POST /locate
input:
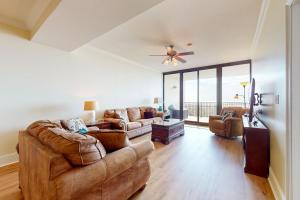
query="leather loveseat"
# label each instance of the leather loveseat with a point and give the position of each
(56, 164)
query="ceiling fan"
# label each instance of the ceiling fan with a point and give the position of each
(172, 56)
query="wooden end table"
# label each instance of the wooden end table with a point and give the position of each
(167, 130)
(100, 124)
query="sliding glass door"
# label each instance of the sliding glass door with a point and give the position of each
(172, 95)
(235, 86)
(195, 94)
(207, 94)
(190, 96)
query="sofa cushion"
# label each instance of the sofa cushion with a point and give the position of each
(143, 109)
(109, 113)
(74, 125)
(148, 115)
(78, 149)
(145, 122)
(133, 125)
(121, 114)
(112, 140)
(134, 114)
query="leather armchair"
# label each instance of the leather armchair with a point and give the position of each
(231, 126)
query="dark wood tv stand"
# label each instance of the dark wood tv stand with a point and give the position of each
(256, 142)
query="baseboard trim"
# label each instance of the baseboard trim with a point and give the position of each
(9, 159)
(276, 189)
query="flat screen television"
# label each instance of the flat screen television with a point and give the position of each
(252, 102)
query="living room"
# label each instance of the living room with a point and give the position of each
(160, 90)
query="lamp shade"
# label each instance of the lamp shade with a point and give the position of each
(156, 100)
(244, 84)
(90, 105)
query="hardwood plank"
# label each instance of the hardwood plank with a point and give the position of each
(195, 166)
(201, 165)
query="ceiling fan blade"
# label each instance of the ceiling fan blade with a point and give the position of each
(180, 59)
(186, 53)
(157, 55)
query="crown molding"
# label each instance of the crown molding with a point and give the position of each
(260, 23)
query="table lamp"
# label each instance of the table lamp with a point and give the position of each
(157, 102)
(91, 107)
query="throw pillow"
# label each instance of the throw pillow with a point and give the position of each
(112, 140)
(74, 125)
(148, 115)
(227, 115)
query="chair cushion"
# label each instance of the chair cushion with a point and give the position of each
(78, 149)
(133, 125)
(227, 115)
(74, 125)
(146, 122)
(122, 114)
(134, 114)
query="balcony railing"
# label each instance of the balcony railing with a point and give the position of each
(207, 108)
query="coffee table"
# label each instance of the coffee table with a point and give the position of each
(167, 130)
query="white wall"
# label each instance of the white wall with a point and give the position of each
(269, 69)
(39, 82)
(295, 100)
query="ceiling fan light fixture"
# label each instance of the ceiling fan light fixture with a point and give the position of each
(167, 61)
(174, 61)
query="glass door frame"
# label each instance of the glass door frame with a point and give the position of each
(218, 68)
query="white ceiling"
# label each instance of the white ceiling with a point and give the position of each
(22, 14)
(221, 31)
(75, 22)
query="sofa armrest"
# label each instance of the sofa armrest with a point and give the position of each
(117, 123)
(93, 128)
(234, 126)
(215, 117)
(80, 180)
(211, 119)
(160, 114)
(143, 149)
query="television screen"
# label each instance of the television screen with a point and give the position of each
(252, 99)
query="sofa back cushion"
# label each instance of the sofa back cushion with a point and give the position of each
(121, 114)
(134, 114)
(77, 149)
(110, 113)
(147, 109)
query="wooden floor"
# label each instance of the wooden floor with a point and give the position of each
(197, 166)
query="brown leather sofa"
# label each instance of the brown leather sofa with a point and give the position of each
(229, 127)
(132, 120)
(56, 164)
